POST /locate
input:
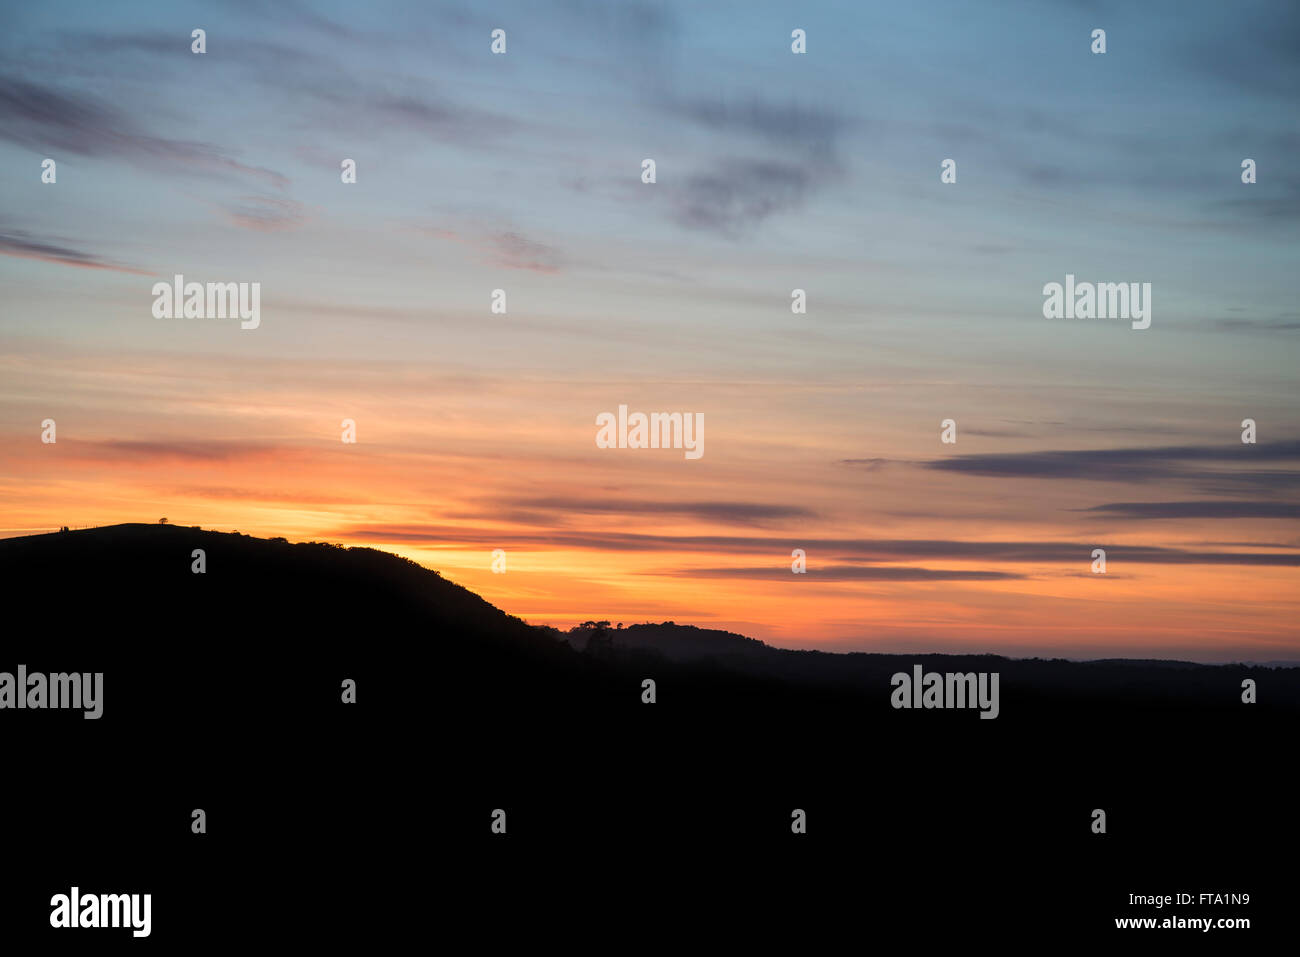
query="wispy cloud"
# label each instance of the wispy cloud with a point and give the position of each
(1159, 464)
(734, 197)
(726, 513)
(845, 551)
(265, 214)
(22, 245)
(1200, 509)
(506, 248)
(844, 573)
(199, 451)
(802, 128)
(38, 116)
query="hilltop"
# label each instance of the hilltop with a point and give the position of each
(135, 581)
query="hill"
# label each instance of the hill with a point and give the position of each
(222, 691)
(360, 605)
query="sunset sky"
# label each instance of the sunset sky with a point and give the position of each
(775, 171)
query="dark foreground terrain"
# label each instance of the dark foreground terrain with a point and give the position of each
(628, 825)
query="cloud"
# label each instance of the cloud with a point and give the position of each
(265, 213)
(1159, 464)
(312, 80)
(514, 251)
(735, 197)
(793, 125)
(506, 248)
(23, 245)
(1200, 509)
(1275, 324)
(995, 433)
(201, 451)
(1252, 47)
(47, 120)
(422, 114)
(842, 573)
(728, 513)
(1244, 215)
(850, 551)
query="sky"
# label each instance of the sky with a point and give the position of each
(775, 171)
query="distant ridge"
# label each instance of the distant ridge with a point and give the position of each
(330, 598)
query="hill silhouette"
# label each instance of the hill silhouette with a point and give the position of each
(338, 601)
(226, 685)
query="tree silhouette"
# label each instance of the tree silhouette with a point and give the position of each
(600, 643)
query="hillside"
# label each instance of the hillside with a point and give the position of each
(222, 690)
(135, 582)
